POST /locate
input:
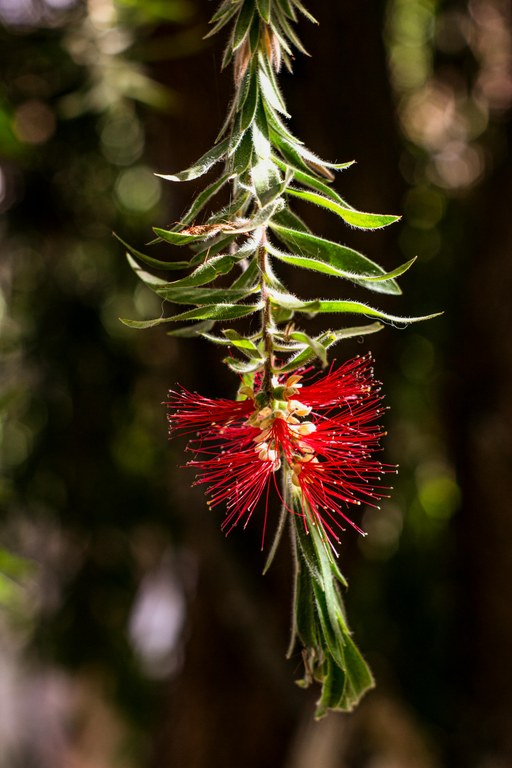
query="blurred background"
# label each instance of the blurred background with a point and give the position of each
(132, 633)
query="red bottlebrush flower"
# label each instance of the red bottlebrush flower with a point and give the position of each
(323, 434)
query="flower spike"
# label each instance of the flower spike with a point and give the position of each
(311, 440)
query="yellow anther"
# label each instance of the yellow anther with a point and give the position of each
(298, 408)
(306, 428)
(262, 436)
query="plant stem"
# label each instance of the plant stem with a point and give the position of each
(266, 318)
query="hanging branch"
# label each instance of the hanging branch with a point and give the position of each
(320, 434)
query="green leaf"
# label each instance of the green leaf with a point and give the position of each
(263, 7)
(223, 15)
(300, 7)
(278, 130)
(242, 24)
(308, 180)
(233, 210)
(211, 247)
(177, 238)
(333, 258)
(250, 104)
(244, 344)
(327, 339)
(330, 654)
(242, 366)
(218, 312)
(236, 136)
(202, 198)
(273, 187)
(260, 138)
(151, 262)
(290, 220)
(316, 346)
(143, 324)
(356, 219)
(262, 217)
(289, 31)
(254, 35)
(207, 312)
(242, 158)
(350, 307)
(201, 166)
(205, 273)
(224, 7)
(184, 295)
(321, 266)
(269, 87)
(289, 10)
(249, 276)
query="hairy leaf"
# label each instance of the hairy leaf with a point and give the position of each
(218, 312)
(263, 7)
(242, 366)
(327, 339)
(355, 218)
(320, 306)
(270, 89)
(150, 261)
(333, 258)
(201, 166)
(185, 295)
(205, 273)
(242, 24)
(202, 199)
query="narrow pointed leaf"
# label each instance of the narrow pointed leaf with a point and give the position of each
(241, 342)
(270, 89)
(249, 276)
(218, 312)
(254, 35)
(201, 166)
(250, 104)
(191, 295)
(328, 339)
(263, 7)
(317, 265)
(205, 273)
(224, 14)
(242, 24)
(290, 220)
(142, 324)
(178, 238)
(320, 306)
(242, 158)
(242, 366)
(290, 32)
(337, 259)
(202, 199)
(356, 219)
(150, 261)
(300, 7)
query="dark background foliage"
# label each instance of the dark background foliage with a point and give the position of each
(132, 632)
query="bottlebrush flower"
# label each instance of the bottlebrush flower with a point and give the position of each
(323, 434)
